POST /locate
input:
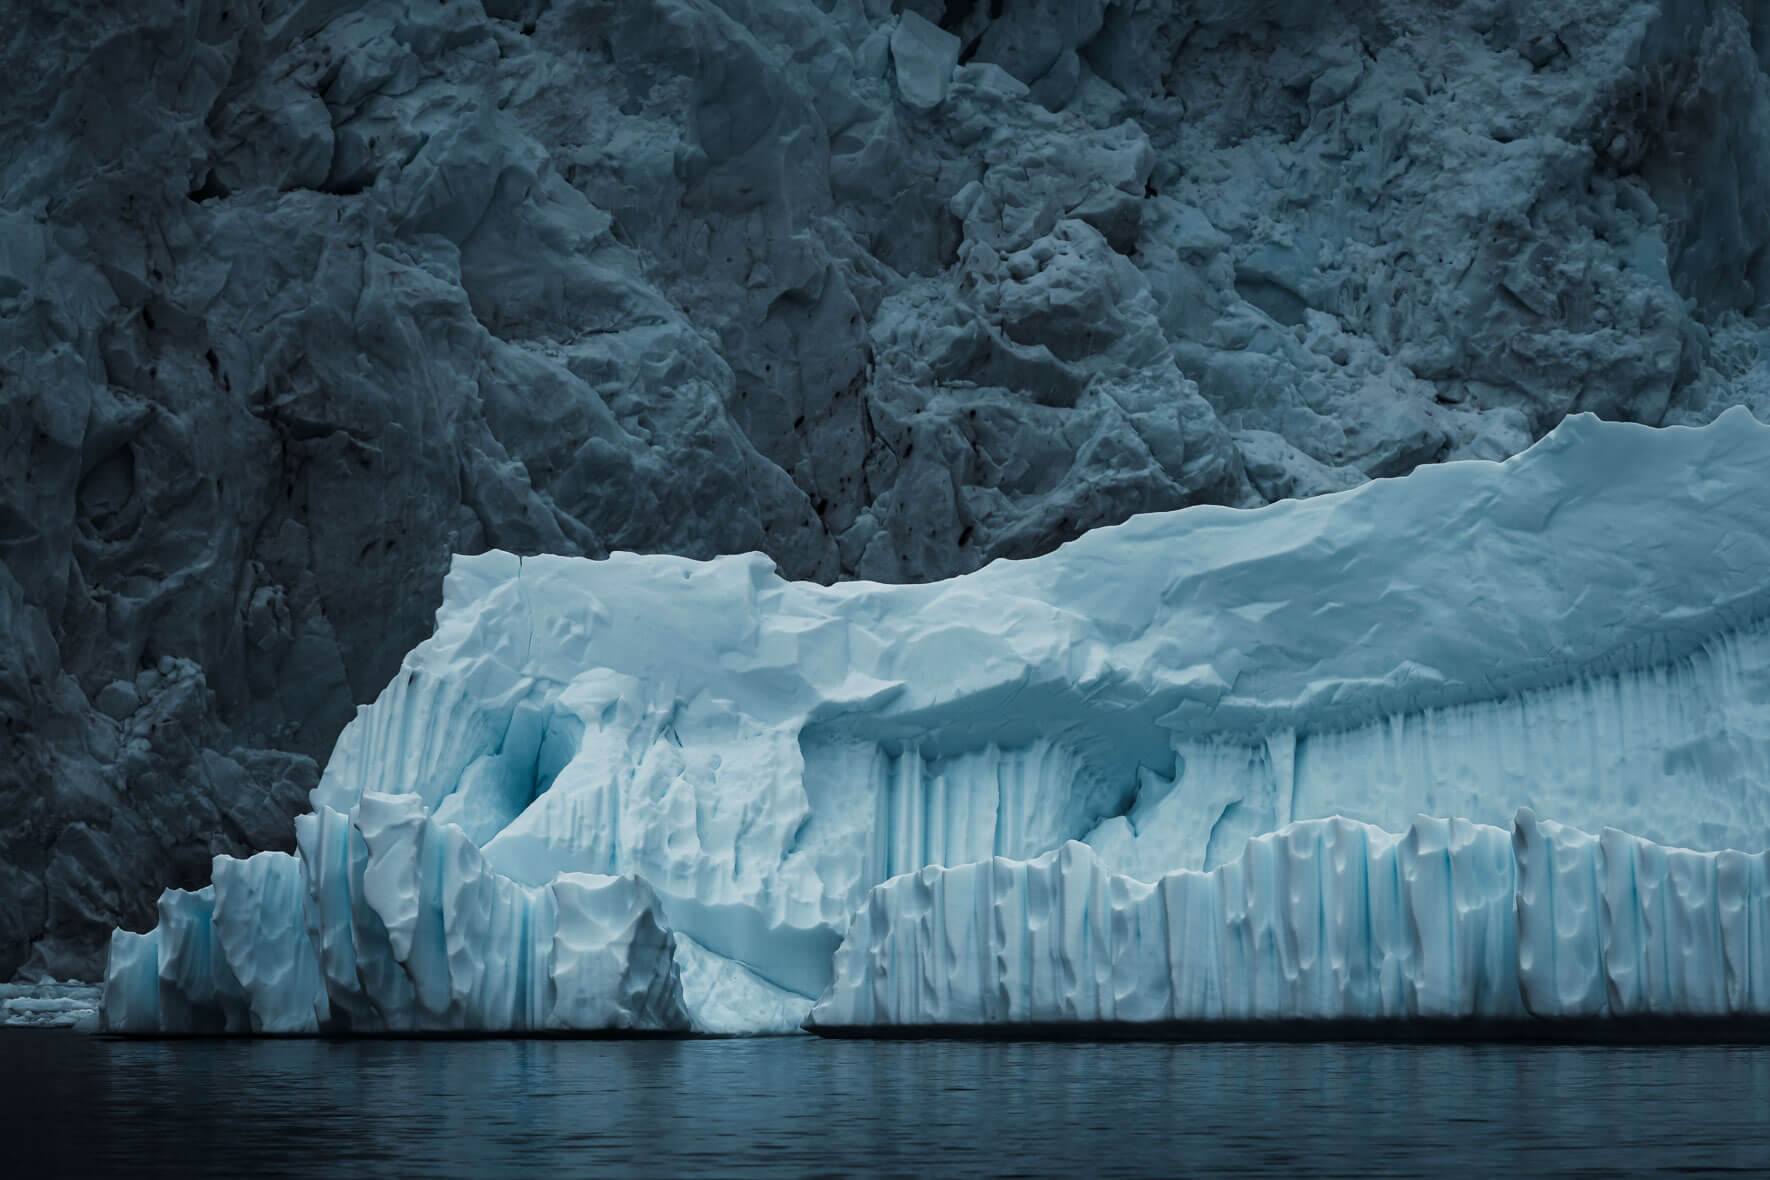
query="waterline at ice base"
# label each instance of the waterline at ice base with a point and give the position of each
(1180, 769)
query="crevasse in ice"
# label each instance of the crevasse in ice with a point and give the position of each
(653, 793)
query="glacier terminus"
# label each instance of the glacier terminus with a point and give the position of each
(1489, 741)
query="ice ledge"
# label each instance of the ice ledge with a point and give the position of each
(1605, 547)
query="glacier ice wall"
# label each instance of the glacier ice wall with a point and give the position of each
(1324, 920)
(1615, 925)
(881, 289)
(1579, 629)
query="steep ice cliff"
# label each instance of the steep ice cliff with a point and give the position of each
(299, 298)
(407, 932)
(1580, 629)
(1324, 920)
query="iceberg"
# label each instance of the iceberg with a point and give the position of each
(654, 793)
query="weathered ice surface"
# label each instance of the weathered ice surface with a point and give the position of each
(1324, 920)
(425, 939)
(299, 297)
(591, 759)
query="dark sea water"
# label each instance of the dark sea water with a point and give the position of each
(74, 1105)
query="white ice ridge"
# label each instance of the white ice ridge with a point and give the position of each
(1583, 629)
(1324, 920)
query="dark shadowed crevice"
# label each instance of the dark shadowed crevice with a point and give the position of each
(209, 189)
(957, 12)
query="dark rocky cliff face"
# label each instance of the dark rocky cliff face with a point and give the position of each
(299, 298)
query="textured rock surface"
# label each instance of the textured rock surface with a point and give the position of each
(296, 299)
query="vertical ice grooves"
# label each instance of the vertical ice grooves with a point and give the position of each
(1281, 757)
(392, 921)
(1324, 919)
(992, 801)
(1612, 748)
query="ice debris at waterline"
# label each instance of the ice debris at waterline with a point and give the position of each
(1581, 629)
(49, 1003)
(1325, 919)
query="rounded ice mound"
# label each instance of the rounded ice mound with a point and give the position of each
(1580, 629)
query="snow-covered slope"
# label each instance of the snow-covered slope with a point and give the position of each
(1322, 920)
(1579, 629)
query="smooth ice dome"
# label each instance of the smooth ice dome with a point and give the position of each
(652, 792)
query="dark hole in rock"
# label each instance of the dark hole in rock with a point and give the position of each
(107, 488)
(956, 13)
(211, 187)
